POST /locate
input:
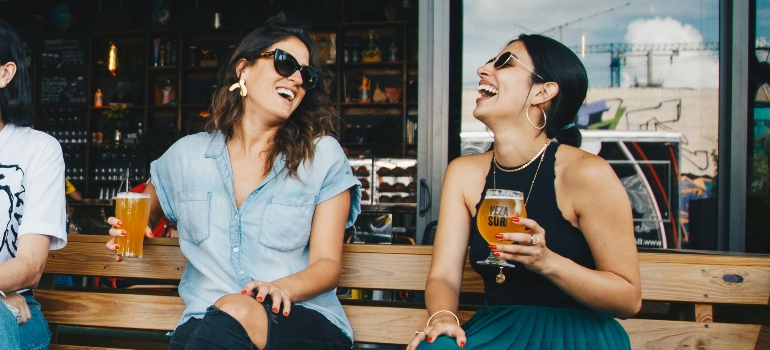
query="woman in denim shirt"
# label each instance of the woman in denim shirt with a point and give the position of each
(262, 201)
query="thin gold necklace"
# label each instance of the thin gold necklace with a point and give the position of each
(521, 167)
(540, 154)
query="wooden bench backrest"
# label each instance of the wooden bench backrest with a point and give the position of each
(695, 278)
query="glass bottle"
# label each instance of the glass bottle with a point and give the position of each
(332, 57)
(98, 98)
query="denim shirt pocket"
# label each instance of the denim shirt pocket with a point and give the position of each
(286, 222)
(194, 216)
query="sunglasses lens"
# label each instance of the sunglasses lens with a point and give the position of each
(309, 77)
(502, 59)
(285, 65)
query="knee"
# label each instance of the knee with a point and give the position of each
(239, 306)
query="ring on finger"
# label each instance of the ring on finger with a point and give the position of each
(418, 332)
(534, 240)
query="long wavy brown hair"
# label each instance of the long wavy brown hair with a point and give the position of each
(314, 117)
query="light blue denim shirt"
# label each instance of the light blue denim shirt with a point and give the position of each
(266, 238)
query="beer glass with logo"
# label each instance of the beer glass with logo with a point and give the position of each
(494, 217)
(133, 209)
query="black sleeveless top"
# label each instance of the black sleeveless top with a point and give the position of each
(521, 286)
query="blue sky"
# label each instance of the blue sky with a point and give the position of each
(490, 24)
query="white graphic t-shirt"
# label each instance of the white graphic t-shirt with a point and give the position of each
(31, 188)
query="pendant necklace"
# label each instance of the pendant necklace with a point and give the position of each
(500, 277)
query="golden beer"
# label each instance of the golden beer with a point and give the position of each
(133, 209)
(494, 216)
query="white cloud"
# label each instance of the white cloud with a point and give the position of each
(691, 69)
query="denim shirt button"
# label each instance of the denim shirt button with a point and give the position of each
(241, 272)
(235, 250)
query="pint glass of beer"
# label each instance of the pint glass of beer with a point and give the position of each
(494, 217)
(133, 209)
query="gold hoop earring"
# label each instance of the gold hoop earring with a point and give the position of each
(545, 119)
(240, 85)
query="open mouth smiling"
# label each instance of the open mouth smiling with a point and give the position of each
(285, 93)
(487, 90)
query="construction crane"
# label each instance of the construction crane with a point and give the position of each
(619, 51)
(561, 26)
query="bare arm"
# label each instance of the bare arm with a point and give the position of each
(25, 269)
(459, 193)
(325, 259)
(605, 218)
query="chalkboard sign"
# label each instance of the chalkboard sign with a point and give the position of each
(62, 90)
(63, 53)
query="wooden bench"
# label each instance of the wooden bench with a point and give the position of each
(705, 280)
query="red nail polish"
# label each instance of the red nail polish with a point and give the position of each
(119, 224)
(493, 246)
(259, 299)
(515, 219)
(244, 292)
(496, 253)
(275, 309)
(123, 233)
(499, 236)
(120, 259)
(117, 246)
(430, 340)
(462, 344)
(285, 314)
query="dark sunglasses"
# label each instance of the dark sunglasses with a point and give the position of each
(285, 64)
(505, 57)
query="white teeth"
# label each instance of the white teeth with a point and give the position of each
(286, 93)
(487, 90)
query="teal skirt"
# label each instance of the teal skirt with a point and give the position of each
(536, 327)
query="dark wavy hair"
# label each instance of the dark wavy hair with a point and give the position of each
(16, 97)
(314, 117)
(557, 63)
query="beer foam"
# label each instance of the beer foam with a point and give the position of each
(494, 193)
(132, 195)
(515, 196)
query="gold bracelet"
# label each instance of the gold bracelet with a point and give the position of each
(440, 311)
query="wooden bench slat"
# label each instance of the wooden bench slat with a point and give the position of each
(392, 325)
(93, 259)
(705, 258)
(136, 311)
(705, 283)
(661, 334)
(381, 271)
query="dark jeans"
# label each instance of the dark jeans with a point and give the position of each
(303, 328)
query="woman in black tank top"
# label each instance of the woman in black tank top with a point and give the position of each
(575, 267)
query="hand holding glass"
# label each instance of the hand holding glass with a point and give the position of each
(133, 209)
(494, 217)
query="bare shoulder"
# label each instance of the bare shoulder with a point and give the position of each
(470, 165)
(464, 180)
(582, 169)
